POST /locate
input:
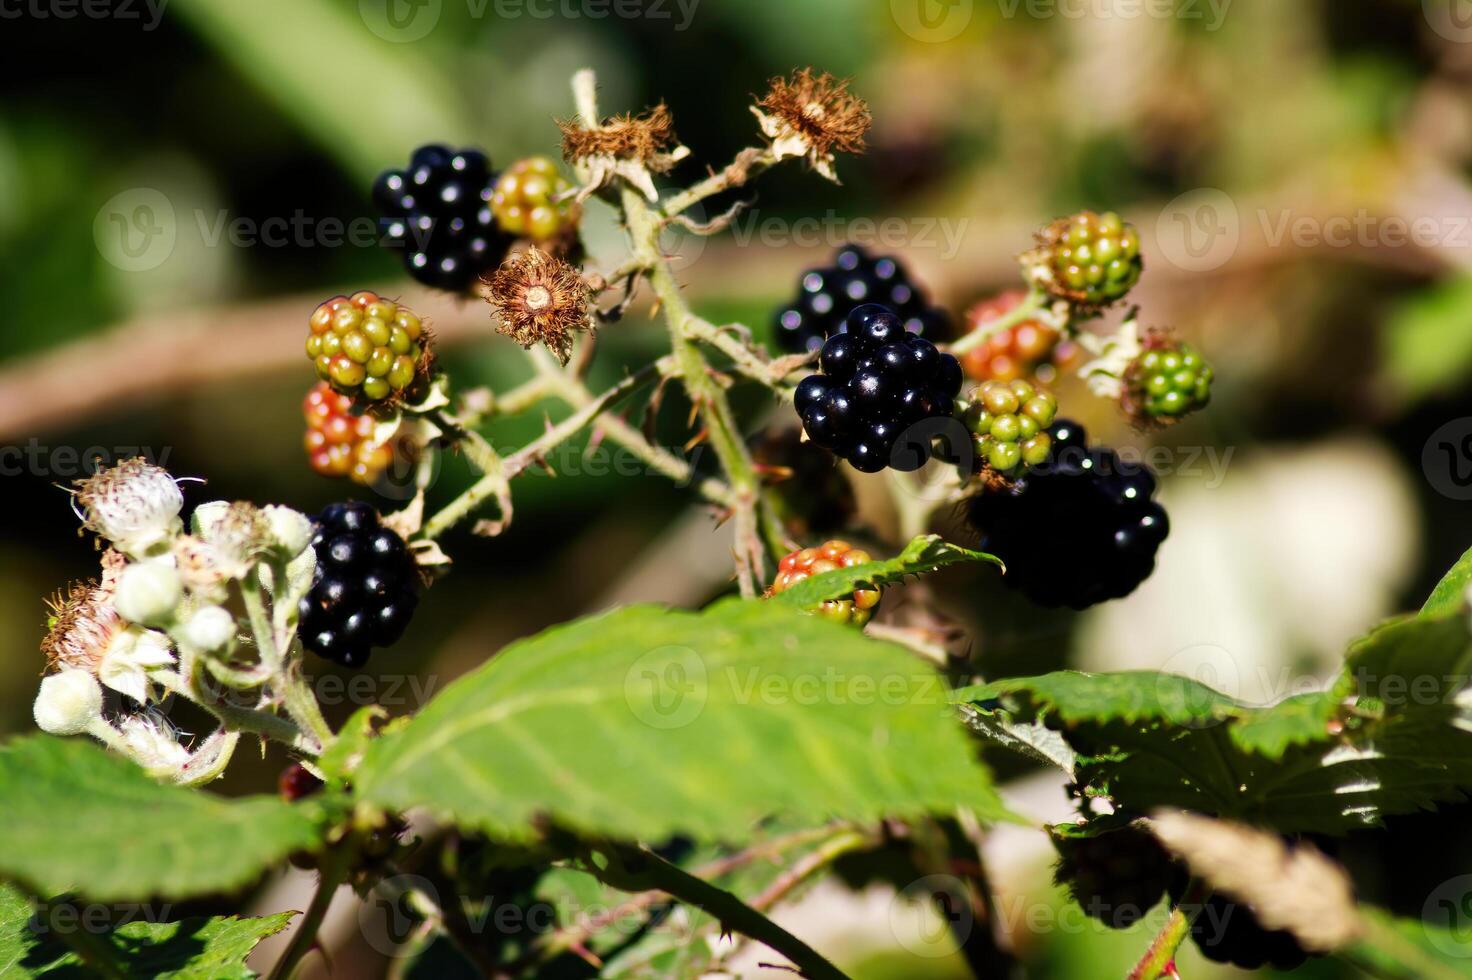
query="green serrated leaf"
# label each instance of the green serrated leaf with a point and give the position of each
(923, 554)
(1450, 594)
(646, 722)
(78, 818)
(1392, 736)
(192, 949)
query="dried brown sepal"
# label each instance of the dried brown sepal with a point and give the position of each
(632, 147)
(813, 116)
(540, 299)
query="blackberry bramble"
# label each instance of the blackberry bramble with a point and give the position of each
(877, 391)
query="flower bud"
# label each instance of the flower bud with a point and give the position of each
(134, 504)
(291, 531)
(69, 703)
(210, 629)
(148, 593)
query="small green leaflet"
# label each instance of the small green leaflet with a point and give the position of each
(923, 554)
(192, 949)
(646, 721)
(80, 819)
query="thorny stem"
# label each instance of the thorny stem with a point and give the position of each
(236, 718)
(1030, 304)
(748, 163)
(334, 871)
(1162, 951)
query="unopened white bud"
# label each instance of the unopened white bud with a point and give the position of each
(148, 593)
(69, 703)
(291, 530)
(210, 629)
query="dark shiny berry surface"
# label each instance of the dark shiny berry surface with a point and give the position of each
(1079, 529)
(437, 212)
(880, 395)
(363, 590)
(827, 296)
(1116, 877)
(1228, 932)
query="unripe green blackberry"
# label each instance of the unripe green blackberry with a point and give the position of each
(1089, 259)
(368, 347)
(528, 203)
(1009, 422)
(1167, 381)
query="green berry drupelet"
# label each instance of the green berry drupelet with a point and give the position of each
(368, 347)
(437, 212)
(881, 395)
(1009, 420)
(363, 591)
(826, 297)
(1115, 877)
(1091, 260)
(529, 201)
(1078, 529)
(1167, 381)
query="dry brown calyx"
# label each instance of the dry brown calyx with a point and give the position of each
(540, 299)
(632, 147)
(813, 116)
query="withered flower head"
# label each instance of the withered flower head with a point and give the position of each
(134, 504)
(540, 299)
(813, 116)
(81, 625)
(628, 146)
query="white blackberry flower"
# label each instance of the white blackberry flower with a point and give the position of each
(134, 504)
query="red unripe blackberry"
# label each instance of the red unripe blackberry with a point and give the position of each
(338, 442)
(368, 347)
(297, 782)
(1017, 352)
(829, 557)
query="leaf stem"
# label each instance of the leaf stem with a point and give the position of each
(733, 913)
(334, 873)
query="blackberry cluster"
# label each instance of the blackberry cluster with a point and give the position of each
(827, 296)
(1090, 259)
(829, 556)
(1009, 420)
(1018, 352)
(877, 390)
(1167, 382)
(362, 592)
(438, 212)
(1116, 877)
(810, 494)
(1078, 529)
(1228, 932)
(367, 346)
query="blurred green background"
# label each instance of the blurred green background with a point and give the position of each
(177, 180)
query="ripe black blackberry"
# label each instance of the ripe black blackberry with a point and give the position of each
(827, 296)
(438, 212)
(1227, 931)
(880, 394)
(1078, 529)
(1116, 877)
(363, 589)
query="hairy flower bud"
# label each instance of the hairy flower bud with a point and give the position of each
(69, 703)
(134, 504)
(291, 531)
(210, 629)
(148, 592)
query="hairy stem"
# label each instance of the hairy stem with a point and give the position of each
(1162, 951)
(748, 163)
